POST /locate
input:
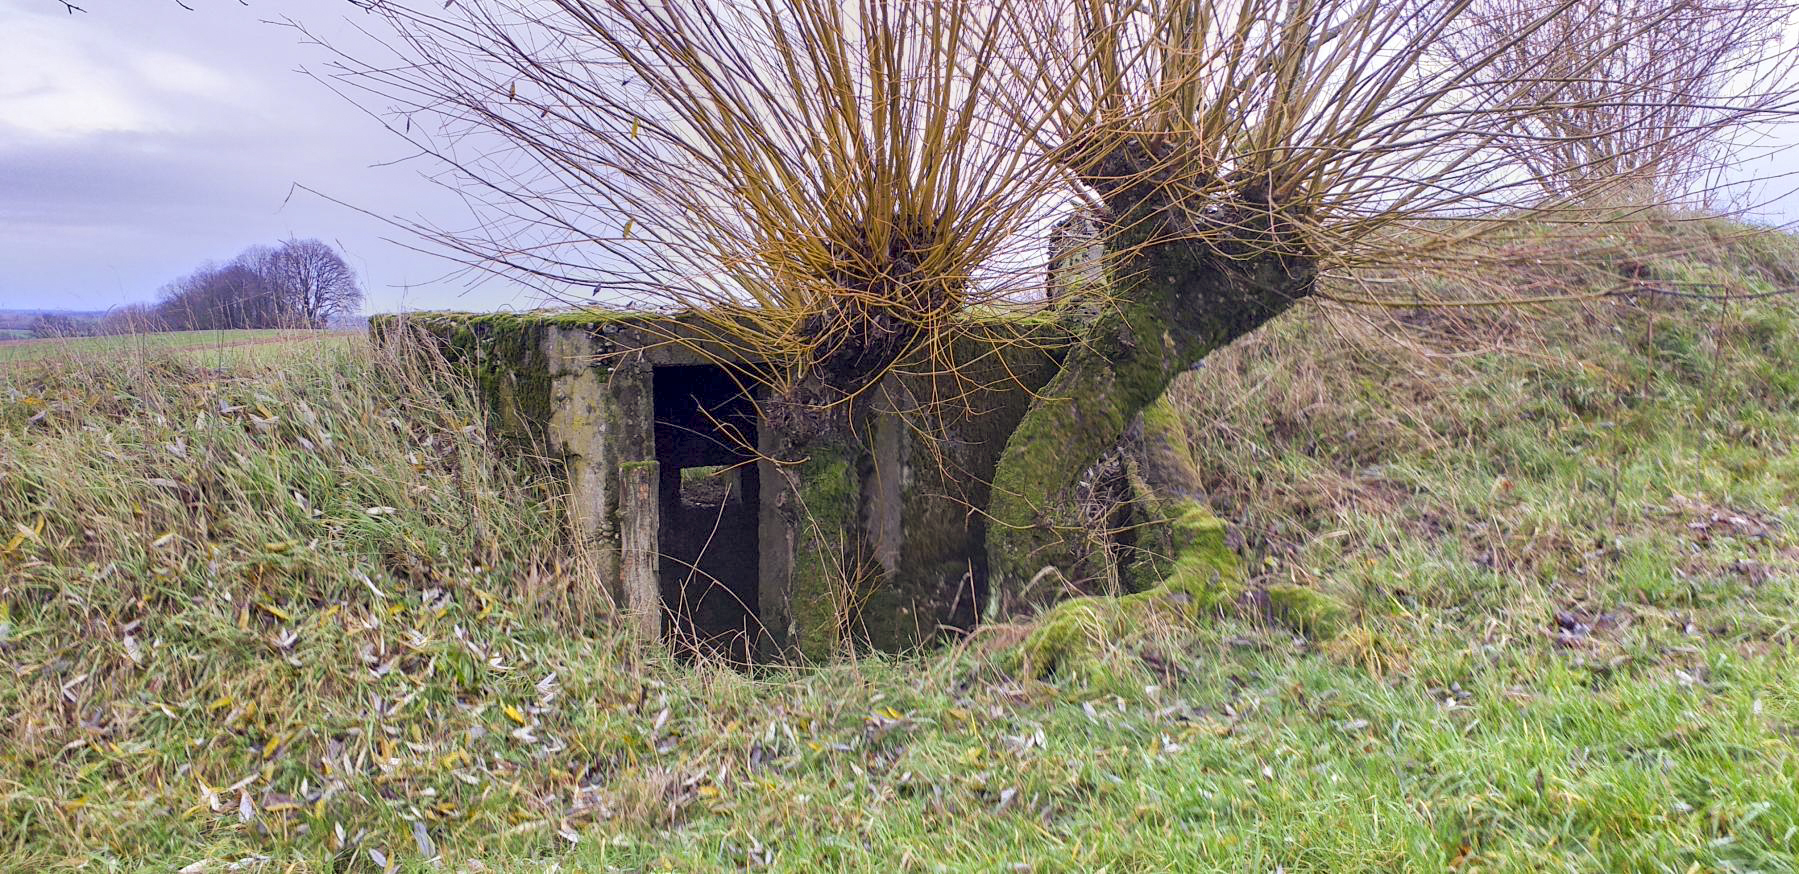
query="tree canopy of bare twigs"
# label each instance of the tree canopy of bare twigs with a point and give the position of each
(311, 282)
(1347, 121)
(833, 177)
(823, 178)
(834, 182)
(1642, 99)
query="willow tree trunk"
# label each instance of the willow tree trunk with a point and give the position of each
(1174, 301)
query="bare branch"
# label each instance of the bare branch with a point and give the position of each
(832, 181)
(1642, 100)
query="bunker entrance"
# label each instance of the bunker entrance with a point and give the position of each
(710, 492)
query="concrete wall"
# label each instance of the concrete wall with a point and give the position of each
(874, 539)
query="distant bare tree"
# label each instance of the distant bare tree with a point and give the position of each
(299, 284)
(311, 283)
(51, 325)
(137, 318)
(250, 280)
(193, 302)
(238, 294)
(1642, 99)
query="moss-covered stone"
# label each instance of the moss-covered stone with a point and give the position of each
(1308, 611)
(828, 574)
(814, 561)
(935, 448)
(501, 353)
(1074, 638)
(853, 549)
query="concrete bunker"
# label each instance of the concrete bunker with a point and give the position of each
(706, 528)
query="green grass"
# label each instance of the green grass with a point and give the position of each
(207, 348)
(1567, 539)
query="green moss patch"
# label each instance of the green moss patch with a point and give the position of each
(1079, 638)
(1306, 610)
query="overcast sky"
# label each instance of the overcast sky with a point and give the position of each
(138, 140)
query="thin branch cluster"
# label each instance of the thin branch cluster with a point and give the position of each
(836, 182)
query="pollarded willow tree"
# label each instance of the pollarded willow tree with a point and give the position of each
(825, 182)
(1239, 150)
(836, 183)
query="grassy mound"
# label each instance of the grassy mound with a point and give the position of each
(250, 595)
(1565, 537)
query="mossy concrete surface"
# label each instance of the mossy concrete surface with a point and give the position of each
(813, 554)
(871, 537)
(935, 450)
(562, 385)
(876, 535)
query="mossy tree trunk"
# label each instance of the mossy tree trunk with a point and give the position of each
(1174, 301)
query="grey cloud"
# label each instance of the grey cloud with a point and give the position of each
(182, 138)
(165, 138)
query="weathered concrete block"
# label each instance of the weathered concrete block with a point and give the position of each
(581, 429)
(871, 537)
(640, 559)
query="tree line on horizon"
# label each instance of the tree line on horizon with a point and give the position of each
(303, 284)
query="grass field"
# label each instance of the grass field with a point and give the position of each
(208, 348)
(304, 618)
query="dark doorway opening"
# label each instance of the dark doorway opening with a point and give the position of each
(710, 511)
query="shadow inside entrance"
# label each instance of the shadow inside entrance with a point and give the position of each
(710, 502)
